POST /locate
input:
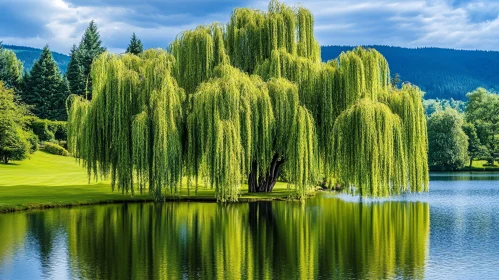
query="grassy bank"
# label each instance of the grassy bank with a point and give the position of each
(480, 165)
(46, 180)
(477, 165)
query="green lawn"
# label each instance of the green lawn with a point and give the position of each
(47, 180)
(478, 165)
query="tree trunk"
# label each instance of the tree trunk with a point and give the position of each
(471, 162)
(265, 182)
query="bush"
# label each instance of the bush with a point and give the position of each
(40, 128)
(47, 130)
(55, 149)
(59, 129)
(63, 144)
(32, 140)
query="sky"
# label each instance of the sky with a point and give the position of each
(460, 24)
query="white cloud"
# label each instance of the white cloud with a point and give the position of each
(412, 23)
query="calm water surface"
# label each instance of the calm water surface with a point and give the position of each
(449, 233)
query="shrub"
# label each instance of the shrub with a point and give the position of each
(59, 129)
(47, 130)
(55, 149)
(63, 144)
(32, 140)
(40, 128)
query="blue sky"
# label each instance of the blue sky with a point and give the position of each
(462, 24)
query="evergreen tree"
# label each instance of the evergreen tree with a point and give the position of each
(46, 89)
(135, 46)
(11, 69)
(75, 73)
(90, 47)
(396, 80)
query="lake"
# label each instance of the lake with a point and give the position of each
(452, 232)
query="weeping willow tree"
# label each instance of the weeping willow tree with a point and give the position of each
(241, 128)
(369, 149)
(296, 117)
(133, 126)
(252, 35)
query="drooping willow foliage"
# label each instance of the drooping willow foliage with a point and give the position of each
(233, 132)
(253, 35)
(132, 128)
(260, 105)
(327, 89)
(197, 53)
(407, 104)
(295, 137)
(369, 149)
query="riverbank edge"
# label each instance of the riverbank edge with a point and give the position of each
(129, 199)
(481, 170)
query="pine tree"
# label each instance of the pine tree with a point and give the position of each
(46, 89)
(75, 74)
(135, 46)
(89, 48)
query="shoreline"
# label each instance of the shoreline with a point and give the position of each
(141, 199)
(46, 181)
(492, 170)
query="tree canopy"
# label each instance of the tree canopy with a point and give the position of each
(90, 47)
(448, 144)
(251, 101)
(45, 89)
(11, 69)
(75, 73)
(482, 111)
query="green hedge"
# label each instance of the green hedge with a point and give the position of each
(55, 149)
(47, 130)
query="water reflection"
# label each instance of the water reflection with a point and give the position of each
(464, 176)
(323, 237)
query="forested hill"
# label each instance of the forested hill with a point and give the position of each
(28, 56)
(442, 73)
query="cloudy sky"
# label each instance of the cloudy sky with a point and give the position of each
(463, 24)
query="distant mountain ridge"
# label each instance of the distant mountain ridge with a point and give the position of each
(441, 73)
(28, 55)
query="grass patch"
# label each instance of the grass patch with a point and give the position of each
(45, 180)
(480, 165)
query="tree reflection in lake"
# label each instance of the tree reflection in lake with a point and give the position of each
(322, 236)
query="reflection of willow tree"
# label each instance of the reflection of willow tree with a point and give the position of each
(13, 228)
(294, 113)
(170, 241)
(256, 240)
(376, 240)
